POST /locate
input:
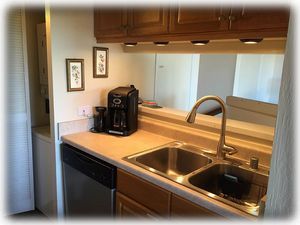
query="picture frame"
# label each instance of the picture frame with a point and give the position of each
(100, 62)
(75, 74)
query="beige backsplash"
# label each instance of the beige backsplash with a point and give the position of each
(75, 126)
(205, 139)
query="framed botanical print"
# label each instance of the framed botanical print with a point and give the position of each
(100, 62)
(75, 74)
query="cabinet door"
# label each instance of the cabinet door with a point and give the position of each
(189, 20)
(183, 208)
(148, 21)
(126, 207)
(244, 19)
(151, 196)
(110, 22)
(44, 176)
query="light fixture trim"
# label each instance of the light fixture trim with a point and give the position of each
(161, 43)
(130, 44)
(200, 42)
(251, 41)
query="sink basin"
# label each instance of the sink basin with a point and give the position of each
(173, 160)
(229, 181)
(232, 183)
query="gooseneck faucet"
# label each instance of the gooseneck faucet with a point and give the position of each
(222, 148)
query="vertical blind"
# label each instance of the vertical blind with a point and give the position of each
(19, 160)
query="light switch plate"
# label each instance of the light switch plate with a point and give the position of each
(85, 111)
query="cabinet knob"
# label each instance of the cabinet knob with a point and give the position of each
(125, 27)
(232, 18)
(221, 18)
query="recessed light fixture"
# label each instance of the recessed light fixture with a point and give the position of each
(251, 41)
(130, 44)
(161, 43)
(200, 42)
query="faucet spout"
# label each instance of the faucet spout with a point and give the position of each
(222, 148)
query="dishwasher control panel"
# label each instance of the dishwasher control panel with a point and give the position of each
(89, 165)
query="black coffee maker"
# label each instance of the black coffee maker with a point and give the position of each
(122, 105)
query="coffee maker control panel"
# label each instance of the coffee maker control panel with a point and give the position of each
(117, 103)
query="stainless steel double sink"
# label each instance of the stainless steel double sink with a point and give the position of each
(229, 181)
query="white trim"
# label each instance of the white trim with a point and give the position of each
(55, 146)
(155, 79)
(28, 113)
(194, 76)
(237, 75)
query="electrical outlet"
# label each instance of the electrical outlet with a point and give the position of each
(85, 111)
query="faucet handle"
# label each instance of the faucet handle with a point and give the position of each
(229, 149)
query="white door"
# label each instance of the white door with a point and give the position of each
(20, 194)
(176, 80)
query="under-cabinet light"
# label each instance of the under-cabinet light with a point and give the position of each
(200, 42)
(161, 43)
(251, 41)
(130, 44)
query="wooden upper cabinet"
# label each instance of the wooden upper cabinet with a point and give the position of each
(189, 20)
(148, 21)
(110, 22)
(247, 19)
(185, 24)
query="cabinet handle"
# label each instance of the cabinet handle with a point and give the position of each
(231, 18)
(243, 11)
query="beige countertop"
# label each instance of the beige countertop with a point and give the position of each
(114, 148)
(42, 132)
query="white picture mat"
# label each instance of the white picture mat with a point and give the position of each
(75, 74)
(100, 62)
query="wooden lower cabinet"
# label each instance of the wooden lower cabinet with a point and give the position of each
(139, 198)
(126, 207)
(152, 197)
(181, 207)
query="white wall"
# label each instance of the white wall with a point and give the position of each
(283, 175)
(72, 34)
(258, 77)
(216, 76)
(176, 80)
(183, 78)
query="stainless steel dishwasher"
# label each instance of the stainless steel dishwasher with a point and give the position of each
(89, 184)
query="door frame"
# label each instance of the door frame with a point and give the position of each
(28, 112)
